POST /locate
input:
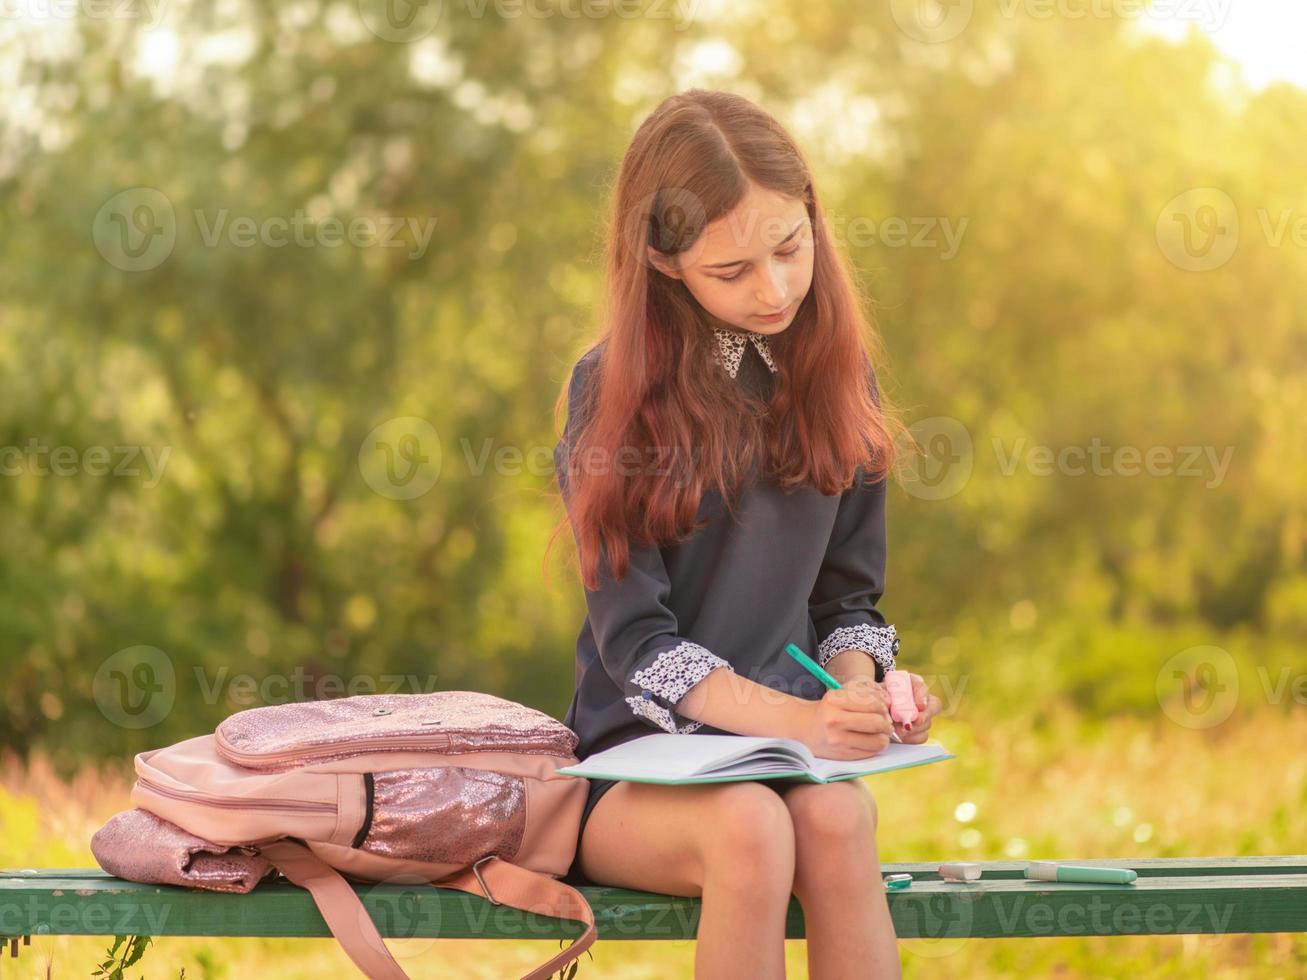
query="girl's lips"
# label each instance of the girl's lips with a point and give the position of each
(777, 317)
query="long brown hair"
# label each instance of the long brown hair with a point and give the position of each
(660, 398)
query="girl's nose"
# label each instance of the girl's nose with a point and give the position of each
(771, 292)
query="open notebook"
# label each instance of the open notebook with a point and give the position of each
(676, 759)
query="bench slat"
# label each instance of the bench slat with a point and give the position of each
(1190, 896)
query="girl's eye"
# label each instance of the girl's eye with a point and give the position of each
(793, 251)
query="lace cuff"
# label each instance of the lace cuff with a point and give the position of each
(881, 642)
(668, 679)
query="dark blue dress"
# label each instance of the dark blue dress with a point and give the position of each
(800, 567)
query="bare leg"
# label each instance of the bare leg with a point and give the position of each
(838, 882)
(731, 843)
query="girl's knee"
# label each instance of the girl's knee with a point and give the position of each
(748, 834)
(833, 814)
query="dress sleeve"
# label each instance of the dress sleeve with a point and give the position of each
(635, 632)
(852, 578)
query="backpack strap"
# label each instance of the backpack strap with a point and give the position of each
(530, 891)
(340, 907)
(508, 884)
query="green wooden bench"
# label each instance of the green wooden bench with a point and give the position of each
(1170, 897)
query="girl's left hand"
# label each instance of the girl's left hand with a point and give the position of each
(928, 707)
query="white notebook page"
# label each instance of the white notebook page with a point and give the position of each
(668, 756)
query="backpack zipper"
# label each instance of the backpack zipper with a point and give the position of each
(370, 792)
(237, 803)
(361, 746)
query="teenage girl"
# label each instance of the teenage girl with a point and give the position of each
(723, 467)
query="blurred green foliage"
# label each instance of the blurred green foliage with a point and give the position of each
(254, 373)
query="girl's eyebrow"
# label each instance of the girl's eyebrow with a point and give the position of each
(727, 265)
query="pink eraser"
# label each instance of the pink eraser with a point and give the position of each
(902, 706)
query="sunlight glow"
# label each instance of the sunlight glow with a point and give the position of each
(1265, 37)
(157, 54)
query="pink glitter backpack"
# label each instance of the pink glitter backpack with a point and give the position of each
(451, 788)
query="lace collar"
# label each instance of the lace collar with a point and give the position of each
(730, 347)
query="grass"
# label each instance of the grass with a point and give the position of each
(1121, 787)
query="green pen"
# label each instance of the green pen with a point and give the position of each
(812, 667)
(1054, 871)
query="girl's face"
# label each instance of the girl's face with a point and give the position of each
(751, 263)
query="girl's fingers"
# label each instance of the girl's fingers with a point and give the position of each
(866, 722)
(933, 706)
(864, 689)
(920, 692)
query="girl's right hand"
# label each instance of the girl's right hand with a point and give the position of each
(851, 723)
